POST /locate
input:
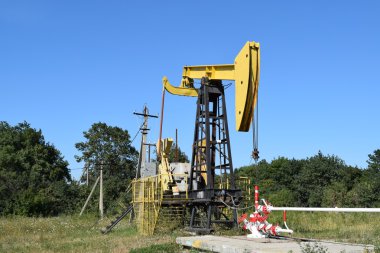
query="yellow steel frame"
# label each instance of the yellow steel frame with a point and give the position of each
(243, 183)
(147, 197)
(164, 167)
(245, 72)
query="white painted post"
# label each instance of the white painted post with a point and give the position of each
(101, 192)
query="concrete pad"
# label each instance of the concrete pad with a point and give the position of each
(241, 244)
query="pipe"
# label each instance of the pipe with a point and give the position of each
(325, 209)
(282, 230)
(176, 145)
(284, 218)
(256, 197)
(159, 148)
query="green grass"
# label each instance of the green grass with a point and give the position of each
(82, 234)
(71, 234)
(361, 228)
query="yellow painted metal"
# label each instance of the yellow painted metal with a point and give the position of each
(181, 91)
(164, 167)
(213, 72)
(146, 199)
(152, 204)
(149, 199)
(201, 159)
(243, 183)
(245, 72)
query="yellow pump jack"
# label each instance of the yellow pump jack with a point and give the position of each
(211, 152)
(245, 71)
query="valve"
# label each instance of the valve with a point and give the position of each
(257, 223)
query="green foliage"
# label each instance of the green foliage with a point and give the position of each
(109, 147)
(282, 197)
(374, 161)
(34, 178)
(334, 195)
(182, 157)
(321, 180)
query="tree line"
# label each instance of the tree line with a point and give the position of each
(35, 178)
(317, 181)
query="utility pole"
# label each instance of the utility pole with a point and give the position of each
(101, 192)
(144, 130)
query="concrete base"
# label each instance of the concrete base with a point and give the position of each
(242, 244)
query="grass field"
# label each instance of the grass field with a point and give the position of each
(82, 234)
(71, 234)
(361, 228)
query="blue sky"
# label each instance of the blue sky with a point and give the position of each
(67, 64)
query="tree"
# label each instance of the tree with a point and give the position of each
(363, 195)
(34, 177)
(110, 147)
(374, 161)
(316, 181)
(317, 173)
(182, 157)
(367, 192)
(334, 195)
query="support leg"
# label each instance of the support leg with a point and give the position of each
(193, 212)
(209, 212)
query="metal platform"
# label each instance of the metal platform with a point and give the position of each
(151, 203)
(240, 244)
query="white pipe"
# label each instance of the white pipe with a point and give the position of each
(326, 209)
(282, 230)
(286, 225)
